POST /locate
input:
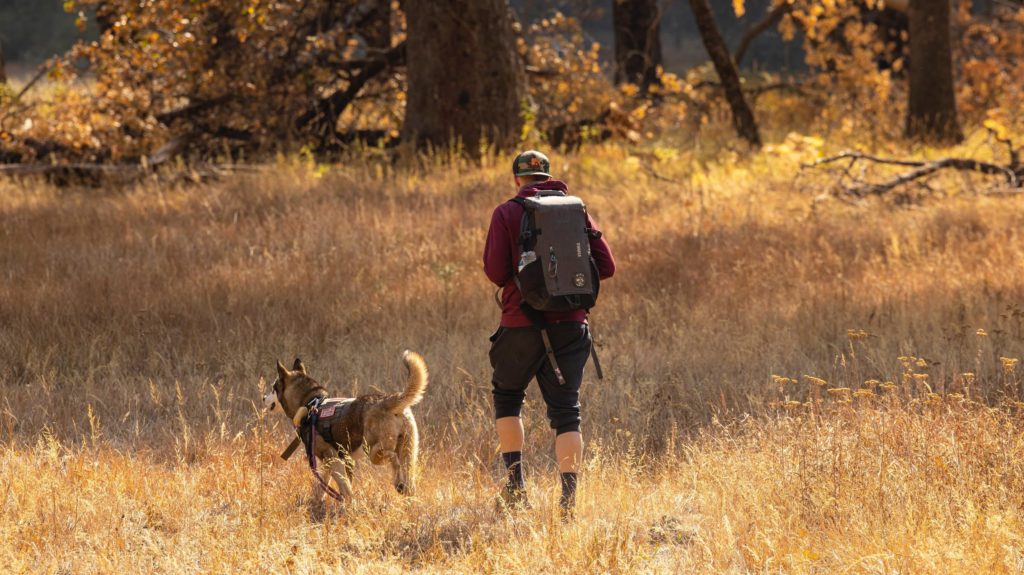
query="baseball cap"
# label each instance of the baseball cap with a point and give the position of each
(531, 163)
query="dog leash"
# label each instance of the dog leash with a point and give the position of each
(311, 419)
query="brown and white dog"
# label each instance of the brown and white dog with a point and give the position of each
(380, 424)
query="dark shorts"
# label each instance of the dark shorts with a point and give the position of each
(518, 356)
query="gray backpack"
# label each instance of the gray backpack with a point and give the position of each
(556, 271)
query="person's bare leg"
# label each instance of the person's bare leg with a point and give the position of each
(569, 451)
(511, 438)
(510, 434)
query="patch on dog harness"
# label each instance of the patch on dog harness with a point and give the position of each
(331, 407)
(330, 410)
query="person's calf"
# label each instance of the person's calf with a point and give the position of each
(569, 450)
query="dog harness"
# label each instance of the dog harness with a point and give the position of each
(329, 410)
(322, 414)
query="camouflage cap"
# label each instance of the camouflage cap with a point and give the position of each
(531, 163)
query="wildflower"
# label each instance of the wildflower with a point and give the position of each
(1009, 364)
(857, 334)
(981, 333)
(863, 393)
(872, 383)
(815, 380)
(839, 391)
(781, 381)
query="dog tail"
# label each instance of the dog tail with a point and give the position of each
(417, 385)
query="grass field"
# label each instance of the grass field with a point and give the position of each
(793, 385)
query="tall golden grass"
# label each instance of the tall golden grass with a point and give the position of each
(792, 385)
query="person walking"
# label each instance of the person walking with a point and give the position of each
(552, 347)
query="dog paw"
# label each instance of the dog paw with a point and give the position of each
(318, 513)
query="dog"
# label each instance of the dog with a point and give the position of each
(380, 424)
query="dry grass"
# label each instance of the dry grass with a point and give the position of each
(134, 325)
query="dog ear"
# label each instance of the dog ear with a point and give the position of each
(299, 367)
(281, 371)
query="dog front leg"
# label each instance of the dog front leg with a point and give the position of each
(340, 472)
(318, 503)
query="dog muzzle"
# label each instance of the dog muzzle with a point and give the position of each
(270, 402)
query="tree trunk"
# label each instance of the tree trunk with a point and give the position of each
(466, 82)
(3, 65)
(742, 117)
(931, 110)
(637, 41)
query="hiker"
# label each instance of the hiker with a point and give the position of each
(551, 346)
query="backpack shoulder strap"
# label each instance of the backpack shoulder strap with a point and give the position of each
(525, 233)
(591, 232)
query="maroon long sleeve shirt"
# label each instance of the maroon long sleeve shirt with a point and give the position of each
(502, 252)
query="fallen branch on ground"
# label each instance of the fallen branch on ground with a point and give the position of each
(1013, 173)
(755, 91)
(96, 174)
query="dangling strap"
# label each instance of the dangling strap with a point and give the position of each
(597, 362)
(291, 448)
(593, 354)
(551, 356)
(537, 319)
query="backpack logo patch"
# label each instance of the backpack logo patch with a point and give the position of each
(579, 280)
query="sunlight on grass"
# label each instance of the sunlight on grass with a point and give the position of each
(792, 385)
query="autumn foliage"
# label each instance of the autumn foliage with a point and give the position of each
(234, 80)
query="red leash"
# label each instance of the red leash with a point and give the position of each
(314, 415)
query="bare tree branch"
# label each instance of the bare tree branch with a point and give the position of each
(330, 108)
(770, 19)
